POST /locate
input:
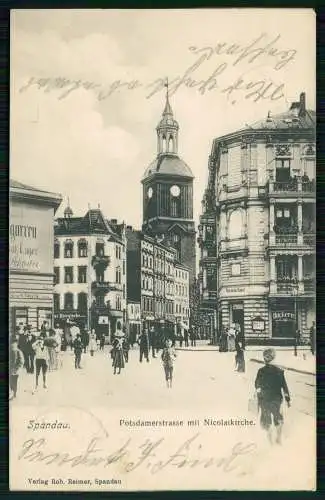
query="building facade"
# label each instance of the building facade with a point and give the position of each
(259, 212)
(151, 279)
(31, 255)
(181, 296)
(168, 194)
(133, 320)
(90, 271)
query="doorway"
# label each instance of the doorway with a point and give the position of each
(237, 315)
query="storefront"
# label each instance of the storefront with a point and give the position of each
(31, 222)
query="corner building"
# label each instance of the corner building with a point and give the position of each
(168, 195)
(260, 205)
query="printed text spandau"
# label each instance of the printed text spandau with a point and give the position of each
(189, 455)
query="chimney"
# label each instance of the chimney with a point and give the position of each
(302, 99)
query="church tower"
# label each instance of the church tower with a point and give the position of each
(168, 193)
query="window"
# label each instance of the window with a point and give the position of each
(118, 251)
(118, 275)
(100, 300)
(174, 207)
(82, 302)
(82, 274)
(56, 249)
(235, 269)
(123, 291)
(235, 224)
(82, 248)
(56, 275)
(282, 170)
(68, 301)
(68, 249)
(123, 267)
(68, 274)
(100, 249)
(56, 302)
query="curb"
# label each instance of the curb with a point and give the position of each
(285, 367)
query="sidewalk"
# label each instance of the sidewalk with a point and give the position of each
(304, 362)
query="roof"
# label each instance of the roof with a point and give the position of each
(287, 120)
(168, 164)
(92, 222)
(21, 191)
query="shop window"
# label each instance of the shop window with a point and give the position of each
(235, 269)
(82, 248)
(68, 249)
(82, 274)
(56, 275)
(68, 274)
(82, 302)
(68, 301)
(56, 302)
(56, 249)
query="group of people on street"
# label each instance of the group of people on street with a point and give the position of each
(229, 338)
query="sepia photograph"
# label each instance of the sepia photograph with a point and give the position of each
(162, 250)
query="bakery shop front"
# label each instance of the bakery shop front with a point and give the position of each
(31, 235)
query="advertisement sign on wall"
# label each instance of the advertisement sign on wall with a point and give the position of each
(31, 238)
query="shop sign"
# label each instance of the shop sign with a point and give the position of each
(69, 315)
(258, 324)
(30, 296)
(235, 289)
(30, 239)
(103, 320)
(283, 316)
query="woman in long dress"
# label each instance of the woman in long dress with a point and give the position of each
(118, 352)
(92, 343)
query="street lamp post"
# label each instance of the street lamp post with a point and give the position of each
(295, 294)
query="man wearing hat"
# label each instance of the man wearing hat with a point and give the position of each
(271, 385)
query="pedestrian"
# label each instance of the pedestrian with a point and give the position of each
(144, 343)
(77, 347)
(126, 348)
(231, 339)
(168, 357)
(52, 345)
(92, 342)
(271, 385)
(312, 334)
(153, 341)
(118, 348)
(186, 337)
(101, 341)
(85, 339)
(240, 358)
(180, 336)
(16, 363)
(29, 353)
(193, 337)
(58, 335)
(41, 360)
(239, 336)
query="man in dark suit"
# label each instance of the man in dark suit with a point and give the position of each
(144, 343)
(271, 385)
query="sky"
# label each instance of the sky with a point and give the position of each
(87, 92)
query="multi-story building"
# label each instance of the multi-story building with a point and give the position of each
(150, 277)
(133, 320)
(90, 271)
(181, 295)
(31, 237)
(259, 219)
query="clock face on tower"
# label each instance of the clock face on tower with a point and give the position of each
(175, 191)
(150, 192)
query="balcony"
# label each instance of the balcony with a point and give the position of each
(101, 286)
(309, 239)
(286, 239)
(293, 188)
(102, 261)
(309, 286)
(292, 241)
(209, 295)
(293, 288)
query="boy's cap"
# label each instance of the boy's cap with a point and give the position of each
(269, 355)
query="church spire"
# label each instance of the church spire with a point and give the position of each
(167, 130)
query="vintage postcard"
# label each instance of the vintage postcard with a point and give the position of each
(162, 250)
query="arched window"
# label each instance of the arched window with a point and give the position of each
(171, 143)
(164, 144)
(56, 249)
(68, 249)
(68, 301)
(82, 248)
(100, 247)
(82, 302)
(235, 224)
